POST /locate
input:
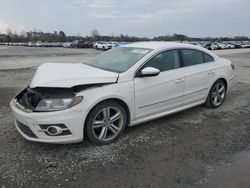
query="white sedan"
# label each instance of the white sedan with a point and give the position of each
(125, 86)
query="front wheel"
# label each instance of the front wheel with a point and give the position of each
(105, 123)
(216, 94)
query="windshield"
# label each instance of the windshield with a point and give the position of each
(118, 59)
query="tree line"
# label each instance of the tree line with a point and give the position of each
(60, 36)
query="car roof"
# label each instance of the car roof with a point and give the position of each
(159, 45)
(168, 45)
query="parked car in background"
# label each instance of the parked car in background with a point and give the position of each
(230, 46)
(31, 44)
(221, 46)
(39, 44)
(113, 44)
(125, 86)
(88, 44)
(102, 45)
(81, 44)
(246, 44)
(96, 43)
(66, 44)
(77, 44)
(214, 46)
(236, 44)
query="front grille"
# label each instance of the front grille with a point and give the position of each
(25, 129)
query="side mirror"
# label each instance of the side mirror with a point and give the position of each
(149, 72)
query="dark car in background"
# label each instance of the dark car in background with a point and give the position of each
(81, 44)
(77, 44)
(89, 44)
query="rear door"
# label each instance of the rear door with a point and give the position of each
(197, 75)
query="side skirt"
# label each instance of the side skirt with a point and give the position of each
(156, 116)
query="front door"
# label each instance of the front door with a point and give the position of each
(161, 93)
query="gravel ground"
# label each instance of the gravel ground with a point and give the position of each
(198, 147)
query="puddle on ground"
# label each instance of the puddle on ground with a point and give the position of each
(232, 175)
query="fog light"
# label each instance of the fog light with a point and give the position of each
(54, 130)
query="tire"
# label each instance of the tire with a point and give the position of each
(100, 128)
(103, 48)
(217, 94)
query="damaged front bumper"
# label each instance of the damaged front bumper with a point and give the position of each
(38, 126)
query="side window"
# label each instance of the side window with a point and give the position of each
(208, 58)
(192, 57)
(165, 61)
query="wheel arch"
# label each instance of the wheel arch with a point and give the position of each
(208, 102)
(224, 80)
(119, 101)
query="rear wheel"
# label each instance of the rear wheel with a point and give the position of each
(216, 94)
(105, 123)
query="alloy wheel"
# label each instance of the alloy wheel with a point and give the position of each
(107, 123)
(218, 94)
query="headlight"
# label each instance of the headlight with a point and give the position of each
(48, 105)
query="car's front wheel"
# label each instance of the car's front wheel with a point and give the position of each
(216, 94)
(105, 123)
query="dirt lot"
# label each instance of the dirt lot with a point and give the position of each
(199, 147)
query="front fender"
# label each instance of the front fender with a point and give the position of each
(121, 91)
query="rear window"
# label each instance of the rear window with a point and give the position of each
(192, 57)
(208, 58)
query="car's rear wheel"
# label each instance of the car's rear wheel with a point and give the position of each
(105, 123)
(216, 94)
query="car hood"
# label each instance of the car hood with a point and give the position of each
(69, 75)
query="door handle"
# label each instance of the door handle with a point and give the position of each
(179, 80)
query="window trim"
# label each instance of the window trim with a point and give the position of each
(166, 50)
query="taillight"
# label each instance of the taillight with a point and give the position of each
(232, 65)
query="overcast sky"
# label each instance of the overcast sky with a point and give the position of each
(197, 18)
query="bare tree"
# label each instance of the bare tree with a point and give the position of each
(95, 33)
(8, 31)
(62, 36)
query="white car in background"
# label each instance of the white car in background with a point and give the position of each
(102, 45)
(113, 44)
(214, 46)
(31, 44)
(66, 44)
(39, 44)
(125, 86)
(222, 46)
